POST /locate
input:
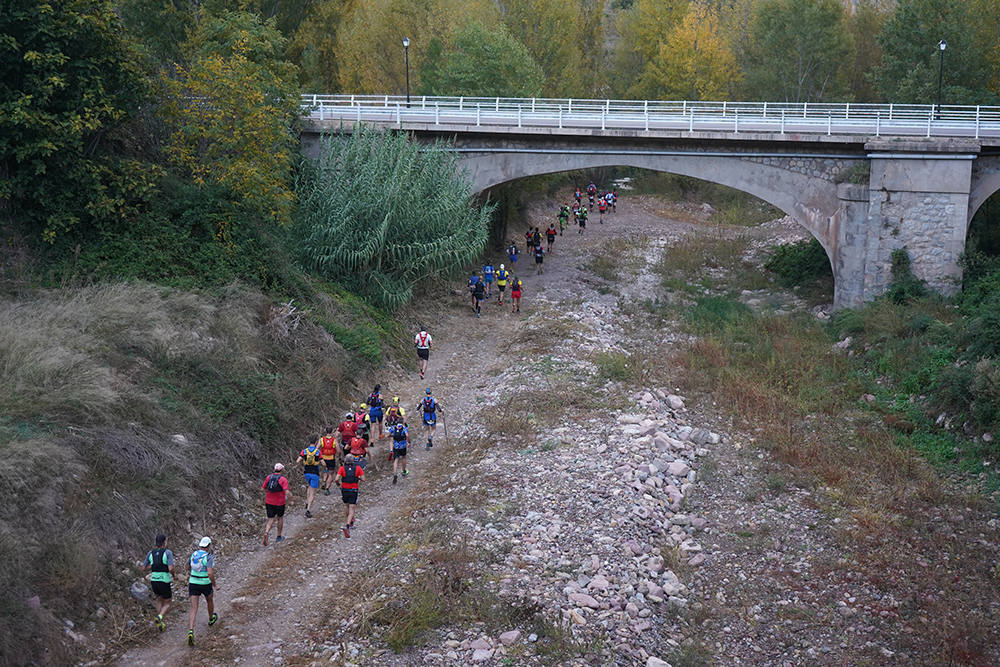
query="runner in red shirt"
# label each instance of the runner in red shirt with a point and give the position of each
(276, 486)
(347, 429)
(328, 449)
(359, 450)
(349, 476)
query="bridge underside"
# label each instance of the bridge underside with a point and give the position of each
(919, 195)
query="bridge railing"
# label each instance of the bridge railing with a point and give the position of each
(846, 118)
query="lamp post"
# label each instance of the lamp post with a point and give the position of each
(942, 45)
(406, 54)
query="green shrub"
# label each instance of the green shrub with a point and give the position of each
(846, 322)
(799, 263)
(381, 214)
(716, 312)
(905, 286)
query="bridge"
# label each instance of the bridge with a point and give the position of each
(863, 179)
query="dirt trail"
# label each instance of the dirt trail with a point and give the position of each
(270, 598)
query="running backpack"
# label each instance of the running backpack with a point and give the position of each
(310, 456)
(274, 484)
(429, 405)
(375, 401)
(350, 474)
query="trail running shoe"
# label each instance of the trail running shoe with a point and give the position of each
(265, 539)
(347, 530)
(281, 538)
(190, 637)
(351, 524)
(160, 625)
(326, 492)
(395, 478)
(309, 514)
(406, 473)
(213, 619)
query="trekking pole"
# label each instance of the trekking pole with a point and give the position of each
(444, 422)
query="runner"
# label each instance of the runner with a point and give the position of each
(478, 292)
(310, 457)
(577, 194)
(161, 562)
(201, 582)
(423, 343)
(550, 237)
(328, 448)
(430, 408)
(614, 198)
(395, 413)
(400, 439)
(583, 219)
(539, 258)
(529, 239)
(512, 253)
(348, 478)
(488, 272)
(276, 486)
(347, 429)
(359, 450)
(501, 283)
(375, 409)
(602, 206)
(563, 218)
(515, 295)
(363, 421)
(473, 279)
(536, 239)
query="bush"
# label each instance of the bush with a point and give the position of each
(905, 286)
(716, 312)
(799, 263)
(381, 214)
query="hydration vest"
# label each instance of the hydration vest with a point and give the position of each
(350, 474)
(199, 568)
(311, 456)
(430, 405)
(329, 446)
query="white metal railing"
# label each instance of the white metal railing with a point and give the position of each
(732, 117)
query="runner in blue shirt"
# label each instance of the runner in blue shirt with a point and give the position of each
(488, 279)
(512, 253)
(473, 279)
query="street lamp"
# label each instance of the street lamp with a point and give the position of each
(406, 54)
(942, 45)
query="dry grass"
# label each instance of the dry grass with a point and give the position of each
(94, 383)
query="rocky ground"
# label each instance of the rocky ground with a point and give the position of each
(576, 512)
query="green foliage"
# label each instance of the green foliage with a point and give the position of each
(911, 60)
(799, 263)
(232, 115)
(797, 51)
(715, 312)
(905, 286)
(67, 78)
(482, 62)
(380, 215)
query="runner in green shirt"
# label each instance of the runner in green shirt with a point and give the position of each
(161, 562)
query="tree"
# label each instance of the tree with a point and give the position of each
(910, 56)
(67, 78)
(313, 48)
(864, 24)
(696, 62)
(642, 28)
(797, 51)
(381, 214)
(231, 114)
(553, 33)
(482, 62)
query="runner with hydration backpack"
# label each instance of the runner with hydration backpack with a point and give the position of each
(276, 486)
(563, 218)
(201, 583)
(512, 254)
(423, 341)
(395, 413)
(348, 479)
(375, 413)
(502, 276)
(328, 448)
(582, 219)
(160, 561)
(400, 440)
(309, 457)
(550, 237)
(515, 295)
(488, 272)
(478, 293)
(430, 408)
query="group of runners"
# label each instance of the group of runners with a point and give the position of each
(336, 457)
(481, 287)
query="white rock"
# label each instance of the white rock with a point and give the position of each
(584, 600)
(678, 468)
(653, 661)
(482, 654)
(675, 402)
(510, 637)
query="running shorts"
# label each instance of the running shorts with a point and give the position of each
(501, 287)
(375, 414)
(398, 452)
(488, 279)
(274, 510)
(349, 496)
(331, 464)
(312, 479)
(516, 294)
(430, 419)
(161, 589)
(200, 589)
(423, 352)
